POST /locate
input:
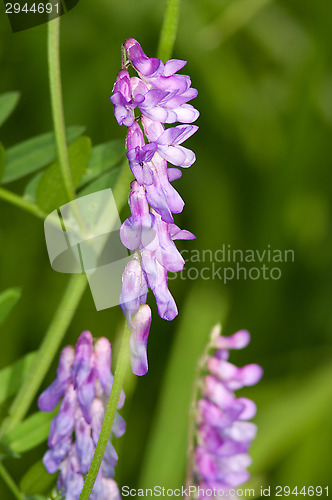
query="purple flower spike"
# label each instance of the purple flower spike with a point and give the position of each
(82, 364)
(224, 434)
(135, 137)
(84, 444)
(138, 340)
(75, 430)
(158, 95)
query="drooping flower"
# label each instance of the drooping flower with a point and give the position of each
(144, 103)
(223, 432)
(83, 385)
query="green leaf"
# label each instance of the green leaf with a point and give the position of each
(30, 433)
(12, 376)
(8, 102)
(103, 157)
(8, 299)
(51, 191)
(2, 161)
(105, 181)
(37, 479)
(33, 154)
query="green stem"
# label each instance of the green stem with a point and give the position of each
(169, 30)
(111, 409)
(10, 482)
(53, 46)
(19, 201)
(46, 352)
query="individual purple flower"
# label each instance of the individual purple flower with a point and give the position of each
(122, 100)
(158, 95)
(138, 340)
(223, 433)
(84, 382)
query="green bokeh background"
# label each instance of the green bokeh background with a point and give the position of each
(262, 177)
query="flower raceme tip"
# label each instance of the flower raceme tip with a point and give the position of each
(83, 385)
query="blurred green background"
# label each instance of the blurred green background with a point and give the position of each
(262, 177)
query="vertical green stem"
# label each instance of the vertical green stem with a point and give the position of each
(120, 372)
(169, 30)
(10, 483)
(21, 202)
(53, 49)
(46, 352)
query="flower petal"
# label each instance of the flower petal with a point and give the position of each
(138, 340)
(172, 66)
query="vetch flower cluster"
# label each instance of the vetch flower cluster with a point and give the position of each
(158, 96)
(83, 385)
(223, 433)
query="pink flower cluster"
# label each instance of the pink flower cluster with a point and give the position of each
(223, 432)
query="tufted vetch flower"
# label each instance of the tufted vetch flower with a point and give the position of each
(144, 103)
(82, 387)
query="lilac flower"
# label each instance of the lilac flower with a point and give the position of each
(223, 434)
(84, 382)
(144, 103)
